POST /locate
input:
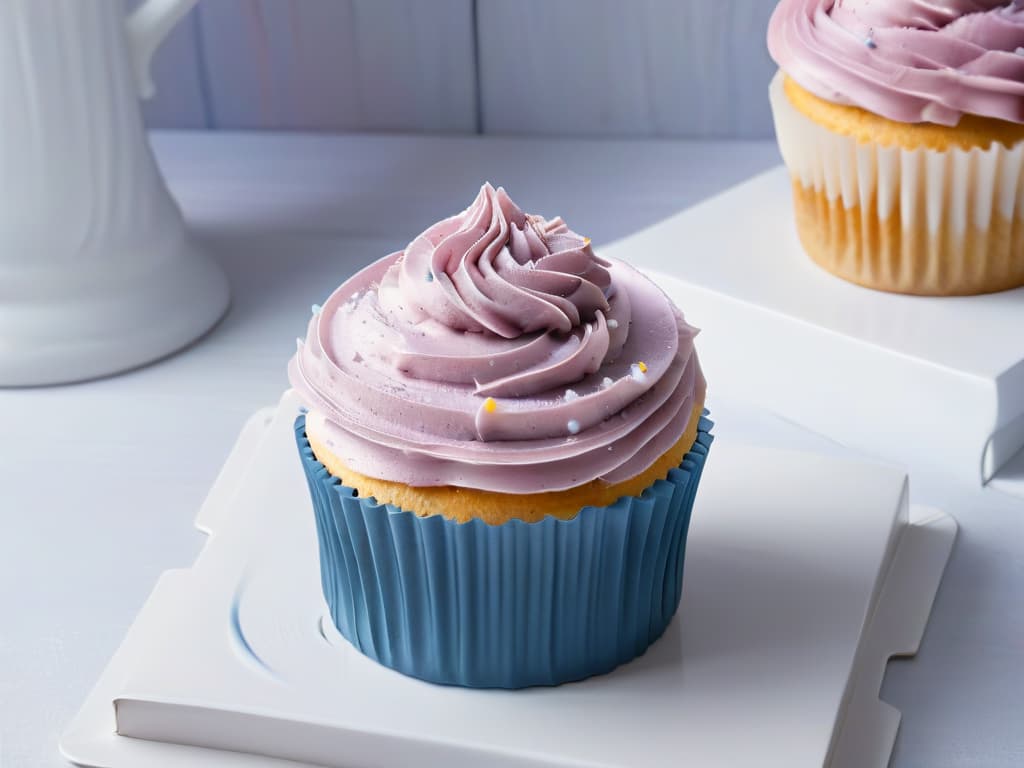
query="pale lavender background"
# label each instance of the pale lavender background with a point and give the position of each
(655, 68)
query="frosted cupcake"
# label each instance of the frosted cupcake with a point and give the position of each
(902, 124)
(503, 441)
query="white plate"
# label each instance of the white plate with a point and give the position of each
(903, 377)
(803, 575)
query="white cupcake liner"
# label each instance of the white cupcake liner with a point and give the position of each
(944, 190)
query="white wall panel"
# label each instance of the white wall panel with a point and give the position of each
(612, 68)
(690, 68)
(324, 65)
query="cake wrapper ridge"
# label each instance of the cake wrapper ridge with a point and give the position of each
(506, 606)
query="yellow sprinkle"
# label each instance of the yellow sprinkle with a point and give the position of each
(490, 405)
(642, 366)
(586, 241)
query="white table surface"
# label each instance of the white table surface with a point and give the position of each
(99, 482)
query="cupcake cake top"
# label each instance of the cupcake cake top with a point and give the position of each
(498, 352)
(907, 60)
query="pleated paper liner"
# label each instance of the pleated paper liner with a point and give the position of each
(505, 606)
(917, 221)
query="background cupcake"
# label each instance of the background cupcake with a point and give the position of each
(902, 124)
(503, 443)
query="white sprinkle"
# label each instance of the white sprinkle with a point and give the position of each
(606, 382)
(490, 363)
(316, 309)
(613, 324)
(574, 426)
(609, 447)
(570, 395)
(636, 373)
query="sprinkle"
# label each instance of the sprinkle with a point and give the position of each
(613, 324)
(570, 395)
(573, 426)
(490, 363)
(637, 371)
(607, 382)
(316, 309)
(303, 409)
(870, 43)
(490, 405)
(430, 276)
(586, 241)
(642, 366)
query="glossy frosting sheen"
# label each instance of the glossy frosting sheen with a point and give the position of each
(498, 352)
(907, 60)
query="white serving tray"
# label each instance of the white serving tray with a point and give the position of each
(804, 574)
(902, 377)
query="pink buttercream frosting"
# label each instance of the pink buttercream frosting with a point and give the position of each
(498, 352)
(907, 60)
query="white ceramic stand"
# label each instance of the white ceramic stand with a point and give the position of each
(97, 272)
(801, 581)
(99, 327)
(900, 377)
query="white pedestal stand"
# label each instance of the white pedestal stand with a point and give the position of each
(902, 377)
(97, 273)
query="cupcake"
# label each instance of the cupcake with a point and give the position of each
(902, 125)
(503, 439)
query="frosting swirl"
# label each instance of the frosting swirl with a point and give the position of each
(498, 352)
(495, 269)
(907, 60)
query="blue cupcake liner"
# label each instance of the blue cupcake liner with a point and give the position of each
(503, 606)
